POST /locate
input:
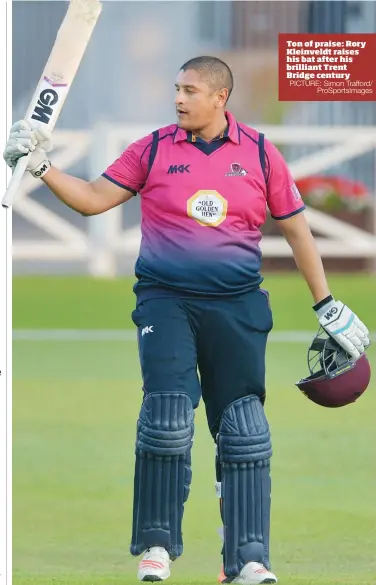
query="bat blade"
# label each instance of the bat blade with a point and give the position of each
(67, 52)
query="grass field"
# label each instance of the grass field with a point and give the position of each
(80, 302)
(75, 405)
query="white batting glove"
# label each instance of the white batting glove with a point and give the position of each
(343, 326)
(25, 137)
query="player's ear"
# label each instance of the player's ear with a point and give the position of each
(222, 96)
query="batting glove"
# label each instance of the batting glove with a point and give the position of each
(25, 138)
(343, 326)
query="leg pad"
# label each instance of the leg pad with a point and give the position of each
(244, 449)
(162, 473)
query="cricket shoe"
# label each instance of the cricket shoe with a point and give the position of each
(155, 565)
(251, 574)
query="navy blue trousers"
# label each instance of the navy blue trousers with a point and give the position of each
(212, 349)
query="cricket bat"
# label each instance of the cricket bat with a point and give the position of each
(71, 41)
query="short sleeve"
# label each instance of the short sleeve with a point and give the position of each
(283, 197)
(130, 170)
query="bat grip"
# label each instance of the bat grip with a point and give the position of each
(15, 181)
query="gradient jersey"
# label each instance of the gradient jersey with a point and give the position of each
(202, 207)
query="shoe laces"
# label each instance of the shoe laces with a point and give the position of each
(260, 568)
(157, 550)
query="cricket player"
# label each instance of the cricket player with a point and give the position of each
(203, 320)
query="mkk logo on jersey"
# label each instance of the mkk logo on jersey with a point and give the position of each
(175, 169)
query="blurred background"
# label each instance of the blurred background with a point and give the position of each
(125, 89)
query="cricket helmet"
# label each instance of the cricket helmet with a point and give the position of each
(335, 378)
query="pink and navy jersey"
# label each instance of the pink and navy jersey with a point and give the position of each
(202, 207)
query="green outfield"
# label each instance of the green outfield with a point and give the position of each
(79, 302)
(75, 405)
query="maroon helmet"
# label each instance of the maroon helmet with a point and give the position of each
(335, 378)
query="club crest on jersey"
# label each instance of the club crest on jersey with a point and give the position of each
(236, 171)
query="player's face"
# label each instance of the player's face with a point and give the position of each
(195, 101)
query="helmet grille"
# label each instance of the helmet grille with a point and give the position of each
(326, 357)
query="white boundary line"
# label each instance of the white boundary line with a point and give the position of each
(74, 335)
(131, 335)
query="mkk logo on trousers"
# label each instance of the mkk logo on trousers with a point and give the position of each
(175, 169)
(147, 329)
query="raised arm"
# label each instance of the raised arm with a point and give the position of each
(87, 198)
(118, 184)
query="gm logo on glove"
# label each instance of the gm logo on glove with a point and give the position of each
(330, 313)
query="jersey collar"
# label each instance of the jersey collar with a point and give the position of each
(232, 132)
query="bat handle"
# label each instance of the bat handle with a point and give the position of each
(15, 181)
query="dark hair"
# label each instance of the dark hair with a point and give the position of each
(216, 72)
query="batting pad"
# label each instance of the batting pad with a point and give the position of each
(162, 472)
(244, 449)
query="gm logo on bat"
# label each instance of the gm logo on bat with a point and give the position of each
(50, 100)
(43, 110)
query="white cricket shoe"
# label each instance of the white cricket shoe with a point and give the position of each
(251, 574)
(155, 565)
